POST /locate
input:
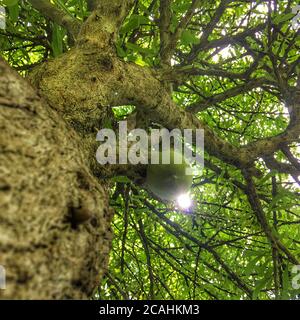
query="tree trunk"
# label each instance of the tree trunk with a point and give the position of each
(55, 231)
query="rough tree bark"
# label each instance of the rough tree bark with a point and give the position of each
(55, 221)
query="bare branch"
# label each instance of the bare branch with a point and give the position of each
(214, 20)
(268, 146)
(261, 218)
(183, 24)
(282, 167)
(180, 74)
(57, 16)
(222, 42)
(164, 26)
(168, 39)
(204, 104)
(293, 160)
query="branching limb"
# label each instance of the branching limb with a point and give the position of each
(268, 146)
(101, 28)
(213, 22)
(222, 42)
(232, 275)
(261, 218)
(240, 89)
(182, 25)
(282, 167)
(168, 39)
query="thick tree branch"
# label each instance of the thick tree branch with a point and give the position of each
(101, 28)
(58, 16)
(165, 32)
(141, 88)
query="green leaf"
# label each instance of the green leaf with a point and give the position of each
(267, 177)
(285, 285)
(120, 51)
(259, 285)
(283, 17)
(121, 179)
(139, 49)
(251, 265)
(57, 40)
(14, 13)
(10, 3)
(134, 22)
(187, 37)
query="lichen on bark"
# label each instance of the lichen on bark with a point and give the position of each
(55, 221)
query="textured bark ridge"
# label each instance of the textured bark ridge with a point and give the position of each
(54, 218)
